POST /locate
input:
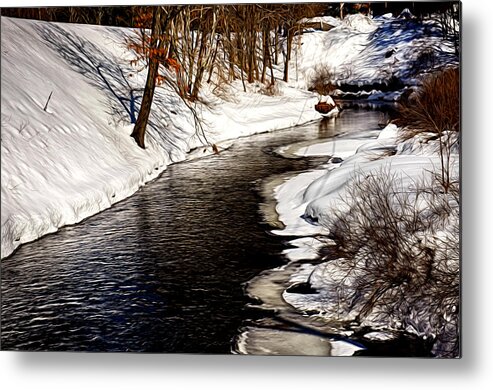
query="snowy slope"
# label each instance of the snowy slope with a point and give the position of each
(316, 195)
(75, 159)
(363, 51)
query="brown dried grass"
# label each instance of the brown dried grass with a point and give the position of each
(435, 107)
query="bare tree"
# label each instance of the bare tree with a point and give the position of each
(161, 19)
(196, 39)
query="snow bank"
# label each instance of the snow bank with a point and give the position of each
(360, 23)
(296, 195)
(314, 195)
(308, 204)
(331, 191)
(76, 158)
(362, 51)
(276, 342)
(306, 248)
(330, 20)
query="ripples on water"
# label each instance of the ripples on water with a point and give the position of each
(163, 270)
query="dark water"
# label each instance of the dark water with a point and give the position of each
(163, 270)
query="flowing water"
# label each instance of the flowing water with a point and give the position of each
(164, 270)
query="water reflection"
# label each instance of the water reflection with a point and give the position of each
(162, 271)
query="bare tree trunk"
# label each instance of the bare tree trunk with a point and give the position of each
(242, 67)
(213, 61)
(139, 130)
(276, 51)
(250, 60)
(200, 68)
(288, 53)
(255, 56)
(271, 70)
(232, 57)
(72, 15)
(265, 47)
(99, 15)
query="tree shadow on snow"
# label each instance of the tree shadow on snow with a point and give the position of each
(103, 72)
(106, 72)
(427, 49)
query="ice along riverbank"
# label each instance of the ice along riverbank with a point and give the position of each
(315, 286)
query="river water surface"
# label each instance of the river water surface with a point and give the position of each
(164, 270)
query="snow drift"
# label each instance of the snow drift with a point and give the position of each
(382, 175)
(363, 52)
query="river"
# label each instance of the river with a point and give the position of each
(164, 270)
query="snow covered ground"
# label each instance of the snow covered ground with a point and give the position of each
(76, 158)
(299, 194)
(308, 204)
(361, 51)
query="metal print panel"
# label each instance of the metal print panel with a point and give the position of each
(265, 179)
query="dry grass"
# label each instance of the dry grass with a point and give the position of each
(270, 89)
(435, 107)
(221, 86)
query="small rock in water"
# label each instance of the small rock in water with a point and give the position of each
(389, 53)
(336, 160)
(301, 288)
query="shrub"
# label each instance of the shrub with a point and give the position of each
(435, 107)
(271, 89)
(322, 81)
(401, 256)
(425, 60)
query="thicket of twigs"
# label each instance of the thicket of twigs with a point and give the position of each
(322, 80)
(435, 108)
(401, 260)
(236, 41)
(401, 242)
(197, 43)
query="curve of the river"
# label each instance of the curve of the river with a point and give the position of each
(162, 271)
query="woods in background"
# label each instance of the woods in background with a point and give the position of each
(226, 42)
(222, 42)
(108, 16)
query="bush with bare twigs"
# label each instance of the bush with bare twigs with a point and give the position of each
(425, 60)
(401, 262)
(270, 89)
(435, 107)
(322, 80)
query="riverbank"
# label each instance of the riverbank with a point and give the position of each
(319, 281)
(70, 98)
(76, 158)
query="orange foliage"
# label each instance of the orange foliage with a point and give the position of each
(174, 64)
(143, 19)
(160, 79)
